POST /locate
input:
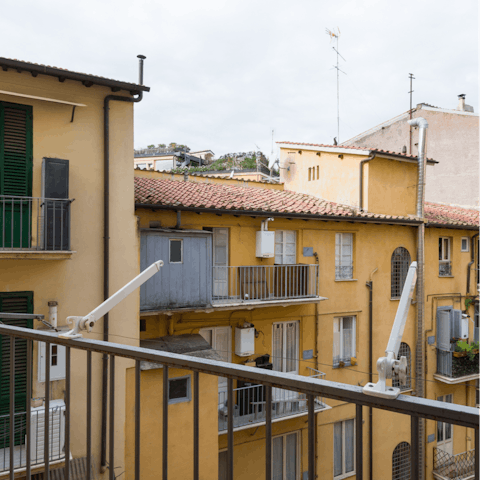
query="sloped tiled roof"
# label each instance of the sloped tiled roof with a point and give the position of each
(371, 150)
(149, 191)
(451, 215)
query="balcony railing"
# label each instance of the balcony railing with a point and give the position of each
(250, 401)
(416, 407)
(445, 269)
(454, 467)
(451, 366)
(30, 223)
(248, 284)
(36, 438)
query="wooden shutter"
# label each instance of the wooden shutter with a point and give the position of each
(444, 332)
(15, 149)
(336, 340)
(16, 302)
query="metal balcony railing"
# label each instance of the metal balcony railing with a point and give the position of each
(56, 438)
(445, 268)
(250, 401)
(247, 284)
(455, 467)
(415, 407)
(30, 223)
(455, 367)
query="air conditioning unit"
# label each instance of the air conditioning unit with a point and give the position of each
(244, 341)
(56, 432)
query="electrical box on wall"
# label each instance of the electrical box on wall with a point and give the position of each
(265, 244)
(244, 341)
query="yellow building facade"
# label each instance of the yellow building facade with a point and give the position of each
(337, 255)
(52, 228)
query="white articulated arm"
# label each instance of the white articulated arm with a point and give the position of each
(389, 364)
(88, 321)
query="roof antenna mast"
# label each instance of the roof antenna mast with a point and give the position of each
(334, 36)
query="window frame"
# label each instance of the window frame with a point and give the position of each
(284, 243)
(351, 473)
(398, 277)
(445, 255)
(467, 239)
(170, 240)
(188, 398)
(443, 398)
(339, 256)
(297, 456)
(401, 458)
(284, 346)
(341, 346)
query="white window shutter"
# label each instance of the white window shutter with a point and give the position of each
(336, 340)
(291, 347)
(277, 347)
(222, 346)
(443, 328)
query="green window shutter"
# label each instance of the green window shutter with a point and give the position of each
(16, 149)
(14, 302)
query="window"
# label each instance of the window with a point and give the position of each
(318, 172)
(179, 389)
(465, 242)
(445, 430)
(143, 325)
(285, 457)
(176, 251)
(222, 465)
(285, 247)
(285, 347)
(404, 351)
(309, 174)
(401, 462)
(344, 449)
(142, 166)
(343, 256)
(344, 340)
(444, 265)
(400, 263)
(476, 329)
(477, 394)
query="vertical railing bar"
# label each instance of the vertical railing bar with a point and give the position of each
(20, 206)
(137, 419)
(67, 413)
(39, 241)
(89, 414)
(311, 436)
(477, 455)
(12, 407)
(414, 458)
(196, 415)
(112, 419)
(61, 224)
(28, 452)
(165, 425)
(46, 457)
(268, 432)
(230, 429)
(4, 201)
(54, 232)
(358, 443)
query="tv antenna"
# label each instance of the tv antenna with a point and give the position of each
(334, 35)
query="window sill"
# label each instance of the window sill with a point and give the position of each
(345, 475)
(446, 276)
(346, 280)
(346, 365)
(36, 254)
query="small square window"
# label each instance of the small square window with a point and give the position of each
(179, 390)
(176, 251)
(143, 325)
(464, 244)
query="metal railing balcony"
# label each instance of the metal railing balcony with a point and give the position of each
(311, 388)
(454, 467)
(36, 437)
(451, 366)
(250, 401)
(263, 283)
(31, 223)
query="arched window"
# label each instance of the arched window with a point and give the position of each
(401, 462)
(400, 263)
(404, 351)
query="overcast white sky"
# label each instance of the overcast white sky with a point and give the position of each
(223, 74)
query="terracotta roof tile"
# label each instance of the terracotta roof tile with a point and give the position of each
(451, 215)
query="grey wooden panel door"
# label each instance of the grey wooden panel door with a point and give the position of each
(185, 280)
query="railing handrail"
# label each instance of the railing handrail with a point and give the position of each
(26, 197)
(405, 404)
(283, 265)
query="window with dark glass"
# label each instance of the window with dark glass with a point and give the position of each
(400, 263)
(179, 390)
(176, 251)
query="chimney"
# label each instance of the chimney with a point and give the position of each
(461, 104)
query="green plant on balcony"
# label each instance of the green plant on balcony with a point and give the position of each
(465, 359)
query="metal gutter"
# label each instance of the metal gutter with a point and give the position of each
(458, 227)
(301, 216)
(62, 75)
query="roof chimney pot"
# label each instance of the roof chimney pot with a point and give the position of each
(462, 107)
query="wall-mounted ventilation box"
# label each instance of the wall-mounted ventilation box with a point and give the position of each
(265, 244)
(244, 341)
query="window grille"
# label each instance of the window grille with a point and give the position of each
(401, 462)
(404, 351)
(400, 263)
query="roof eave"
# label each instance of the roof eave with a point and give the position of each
(87, 80)
(451, 226)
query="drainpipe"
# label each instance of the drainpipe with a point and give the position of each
(370, 374)
(360, 187)
(420, 353)
(106, 246)
(472, 261)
